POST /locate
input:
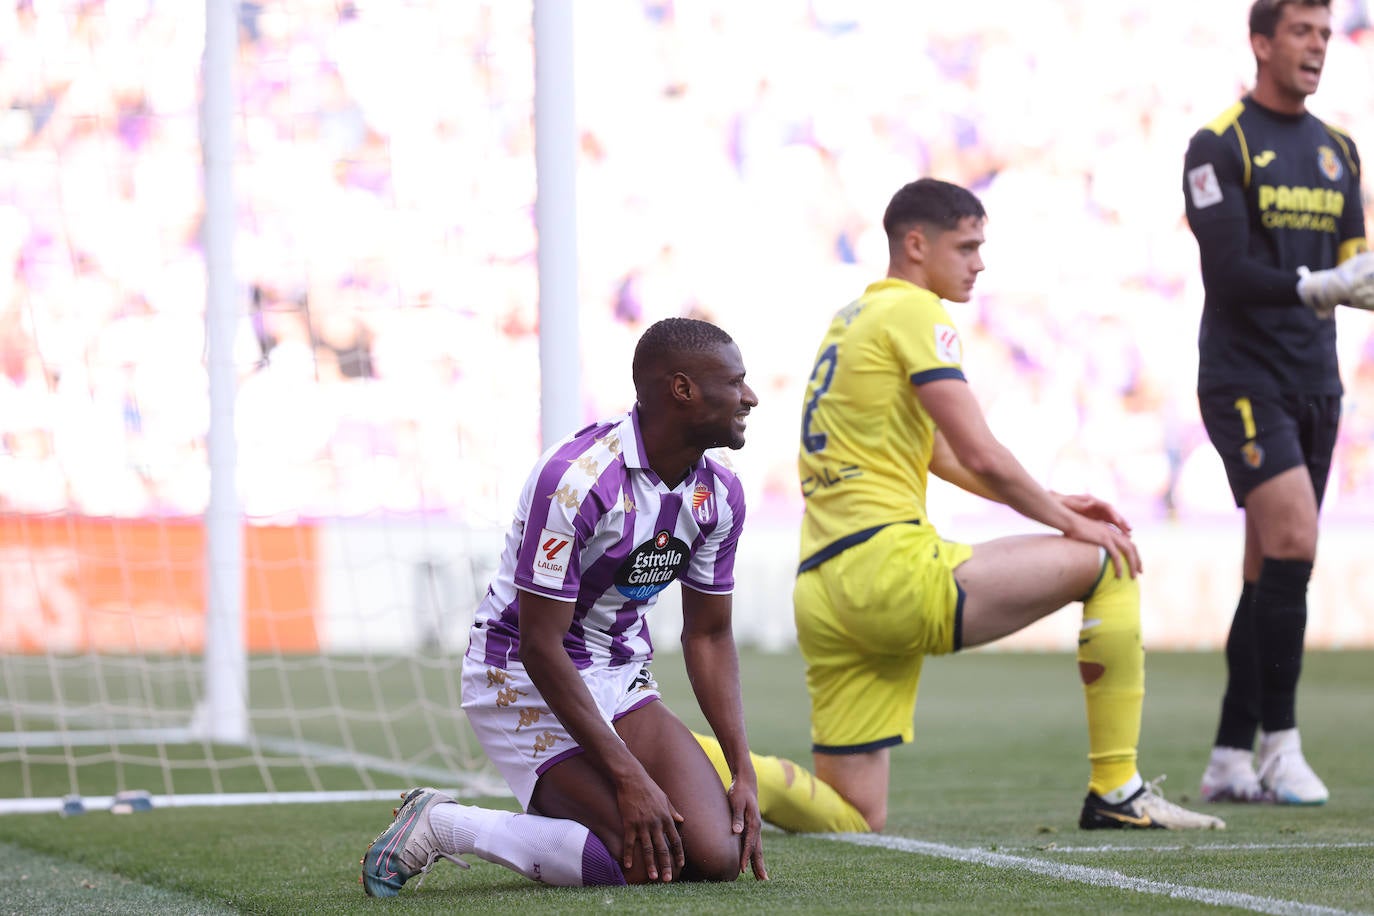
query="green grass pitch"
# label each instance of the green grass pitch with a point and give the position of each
(984, 809)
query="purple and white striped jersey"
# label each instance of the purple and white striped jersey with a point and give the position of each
(597, 527)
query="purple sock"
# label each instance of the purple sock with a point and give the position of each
(598, 868)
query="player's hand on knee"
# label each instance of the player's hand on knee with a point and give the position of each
(1086, 504)
(650, 824)
(1125, 556)
(1323, 290)
(746, 822)
(1121, 550)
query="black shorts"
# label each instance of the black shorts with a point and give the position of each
(1260, 436)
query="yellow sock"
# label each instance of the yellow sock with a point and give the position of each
(791, 797)
(1111, 662)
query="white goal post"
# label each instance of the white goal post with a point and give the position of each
(232, 656)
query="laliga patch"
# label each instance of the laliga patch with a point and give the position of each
(651, 566)
(551, 558)
(1203, 186)
(948, 349)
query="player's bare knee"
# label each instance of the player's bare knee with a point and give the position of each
(718, 862)
(1291, 544)
(875, 815)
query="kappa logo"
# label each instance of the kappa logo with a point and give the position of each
(1264, 158)
(586, 464)
(545, 741)
(530, 717)
(566, 497)
(508, 695)
(610, 442)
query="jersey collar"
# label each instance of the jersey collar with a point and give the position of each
(632, 440)
(888, 284)
(632, 445)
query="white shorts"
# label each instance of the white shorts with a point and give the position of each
(517, 731)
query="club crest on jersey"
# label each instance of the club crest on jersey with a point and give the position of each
(1252, 454)
(651, 566)
(703, 504)
(1329, 163)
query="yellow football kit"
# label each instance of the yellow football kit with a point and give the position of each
(866, 441)
(875, 590)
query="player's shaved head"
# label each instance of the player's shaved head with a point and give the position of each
(1265, 14)
(664, 344)
(929, 202)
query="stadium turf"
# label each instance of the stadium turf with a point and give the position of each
(983, 819)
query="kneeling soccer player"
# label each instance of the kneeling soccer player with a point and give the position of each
(556, 680)
(878, 589)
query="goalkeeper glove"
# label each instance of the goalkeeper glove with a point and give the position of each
(1362, 290)
(1349, 283)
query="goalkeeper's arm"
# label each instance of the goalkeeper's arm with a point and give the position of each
(1349, 283)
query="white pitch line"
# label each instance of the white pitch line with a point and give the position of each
(1219, 847)
(1083, 874)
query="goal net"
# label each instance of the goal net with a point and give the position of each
(354, 633)
(383, 347)
(373, 450)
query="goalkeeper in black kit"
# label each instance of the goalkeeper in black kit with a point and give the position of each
(1273, 198)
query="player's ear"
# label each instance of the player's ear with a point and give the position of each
(916, 243)
(681, 386)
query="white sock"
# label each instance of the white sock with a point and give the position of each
(552, 851)
(1232, 757)
(1123, 792)
(1273, 742)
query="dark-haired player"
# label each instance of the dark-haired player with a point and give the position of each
(556, 679)
(878, 589)
(1273, 197)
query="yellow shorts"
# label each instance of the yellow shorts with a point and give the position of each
(866, 618)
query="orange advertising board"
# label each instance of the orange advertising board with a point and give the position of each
(70, 584)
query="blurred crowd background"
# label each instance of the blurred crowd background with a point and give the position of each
(734, 162)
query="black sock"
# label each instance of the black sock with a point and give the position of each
(1280, 607)
(1240, 705)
